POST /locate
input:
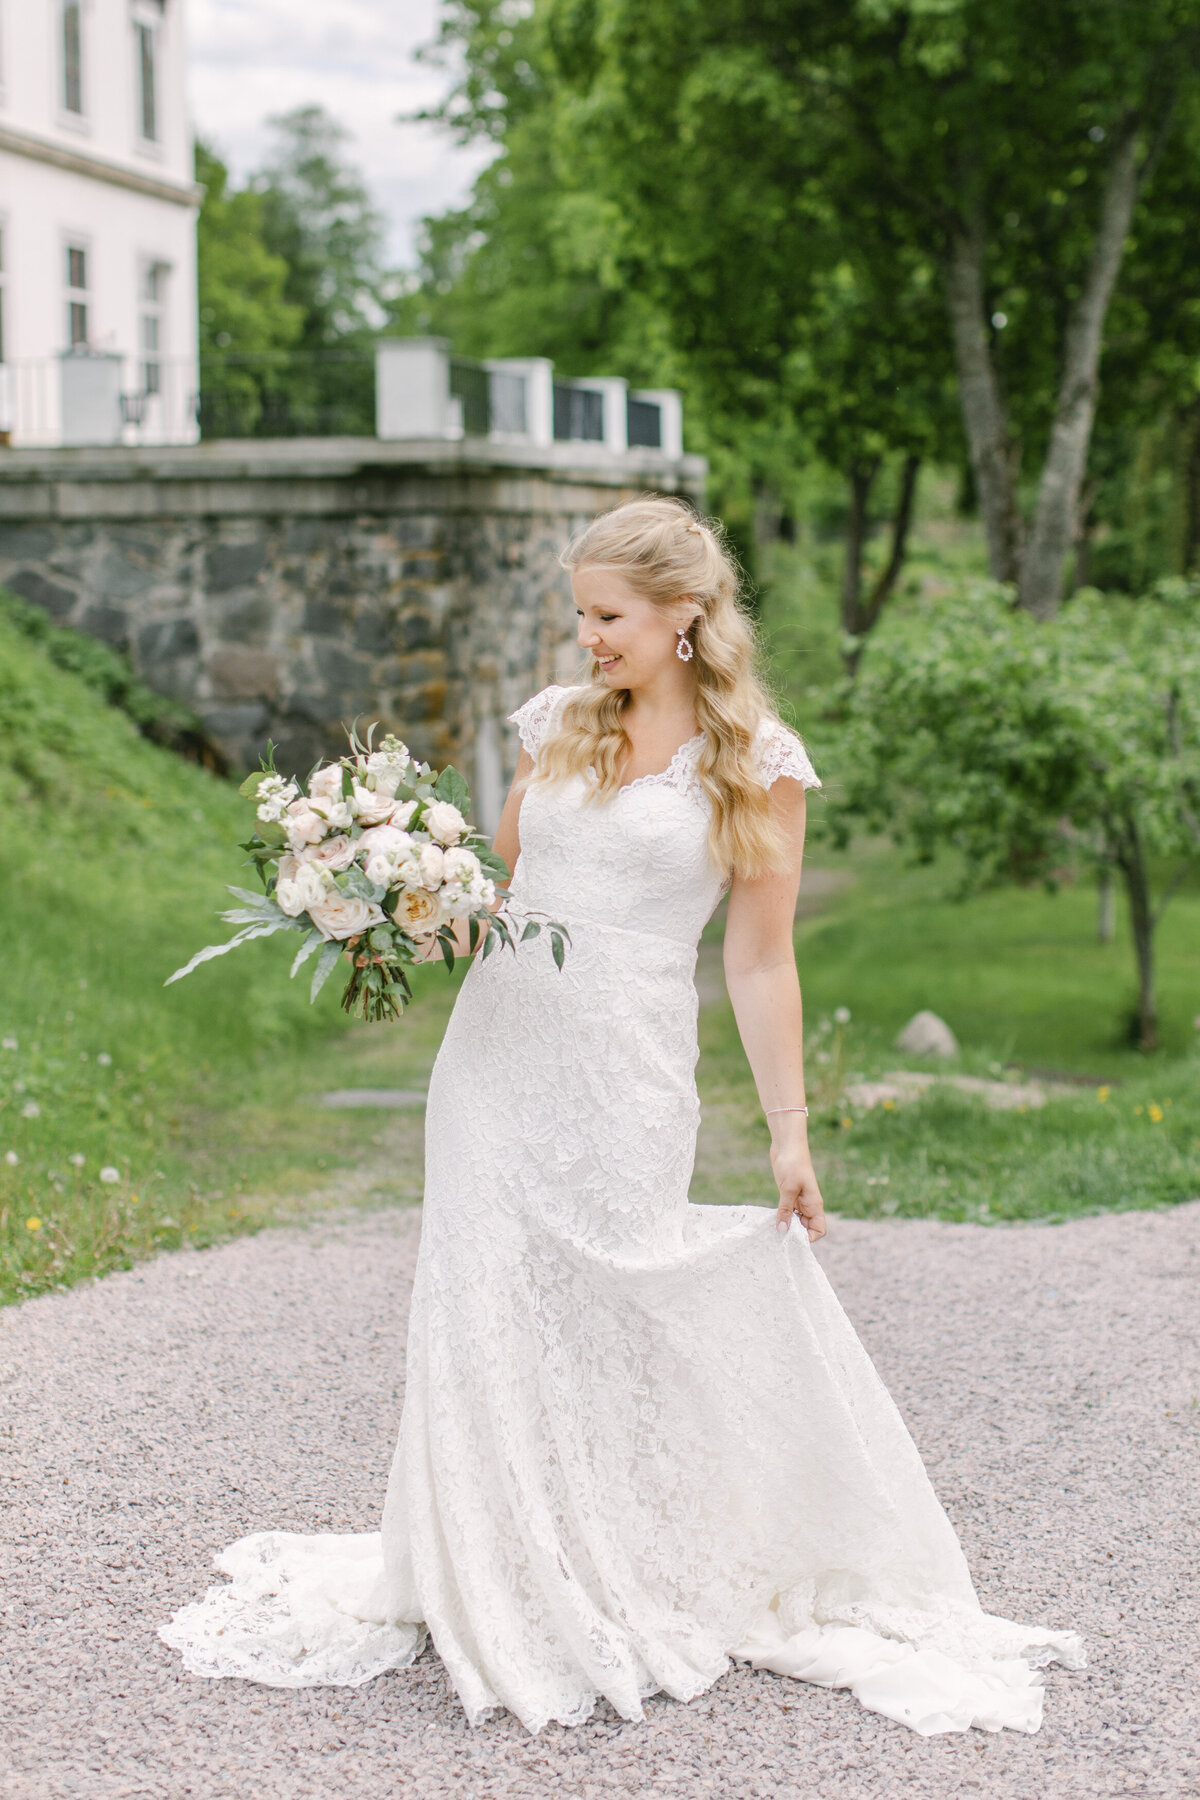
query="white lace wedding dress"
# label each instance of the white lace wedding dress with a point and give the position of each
(640, 1436)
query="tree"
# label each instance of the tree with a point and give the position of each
(743, 145)
(318, 217)
(241, 282)
(815, 348)
(1028, 747)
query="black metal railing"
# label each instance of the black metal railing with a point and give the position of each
(314, 393)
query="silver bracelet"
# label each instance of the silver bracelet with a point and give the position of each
(770, 1109)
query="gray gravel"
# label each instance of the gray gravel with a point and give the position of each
(1050, 1375)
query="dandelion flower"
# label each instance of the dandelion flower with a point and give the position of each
(846, 1124)
(10, 1043)
(77, 1160)
(104, 1059)
(842, 1015)
(108, 1173)
(1156, 1114)
(1102, 1094)
(33, 1224)
(31, 1110)
(11, 1158)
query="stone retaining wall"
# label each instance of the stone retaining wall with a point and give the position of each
(282, 588)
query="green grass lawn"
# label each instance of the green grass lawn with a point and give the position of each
(1022, 982)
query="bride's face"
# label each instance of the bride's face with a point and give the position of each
(630, 637)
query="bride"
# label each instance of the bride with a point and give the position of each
(639, 1436)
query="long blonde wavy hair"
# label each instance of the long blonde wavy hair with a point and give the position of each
(665, 552)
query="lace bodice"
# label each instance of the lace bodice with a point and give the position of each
(639, 862)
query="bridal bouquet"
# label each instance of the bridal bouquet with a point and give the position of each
(376, 859)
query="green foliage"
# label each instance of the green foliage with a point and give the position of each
(113, 858)
(293, 288)
(1026, 748)
(242, 282)
(319, 221)
(768, 199)
(108, 674)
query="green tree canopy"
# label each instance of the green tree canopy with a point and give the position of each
(1026, 748)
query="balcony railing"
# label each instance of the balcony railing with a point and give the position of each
(402, 388)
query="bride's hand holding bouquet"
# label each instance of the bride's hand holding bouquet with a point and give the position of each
(376, 860)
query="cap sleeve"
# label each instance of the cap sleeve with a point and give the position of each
(532, 717)
(779, 751)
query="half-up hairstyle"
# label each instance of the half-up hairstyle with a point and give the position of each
(665, 553)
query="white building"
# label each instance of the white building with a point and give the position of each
(97, 224)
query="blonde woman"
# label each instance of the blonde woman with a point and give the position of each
(640, 1436)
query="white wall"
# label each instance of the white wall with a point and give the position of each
(128, 202)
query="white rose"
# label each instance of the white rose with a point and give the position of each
(444, 822)
(372, 808)
(403, 811)
(335, 853)
(306, 890)
(381, 869)
(461, 865)
(338, 813)
(326, 784)
(430, 862)
(303, 825)
(384, 840)
(338, 915)
(416, 907)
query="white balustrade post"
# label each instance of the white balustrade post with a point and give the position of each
(412, 389)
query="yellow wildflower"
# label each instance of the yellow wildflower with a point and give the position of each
(1102, 1094)
(33, 1224)
(1156, 1113)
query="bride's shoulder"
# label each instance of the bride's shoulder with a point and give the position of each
(532, 718)
(780, 751)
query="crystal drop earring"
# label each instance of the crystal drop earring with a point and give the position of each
(683, 649)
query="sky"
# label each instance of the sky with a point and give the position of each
(250, 58)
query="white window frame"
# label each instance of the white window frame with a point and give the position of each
(75, 294)
(147, 20)
(154, 275)
(69, 115)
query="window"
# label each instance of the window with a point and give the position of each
(77, 297)
(151, 325)
(146, 48)
(72, 56)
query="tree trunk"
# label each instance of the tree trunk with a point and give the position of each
(1190, 547)
(862, 480)
(868, 611)
(1055, 520)
(1132, 863)
(1106, 910)
(993, 453)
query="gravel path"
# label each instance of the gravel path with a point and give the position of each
(1050, 1375)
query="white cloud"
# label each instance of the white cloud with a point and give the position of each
(251, 58)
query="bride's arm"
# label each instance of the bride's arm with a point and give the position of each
(764, 989)
(506, 843)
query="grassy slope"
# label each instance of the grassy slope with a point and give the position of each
(113, 859)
